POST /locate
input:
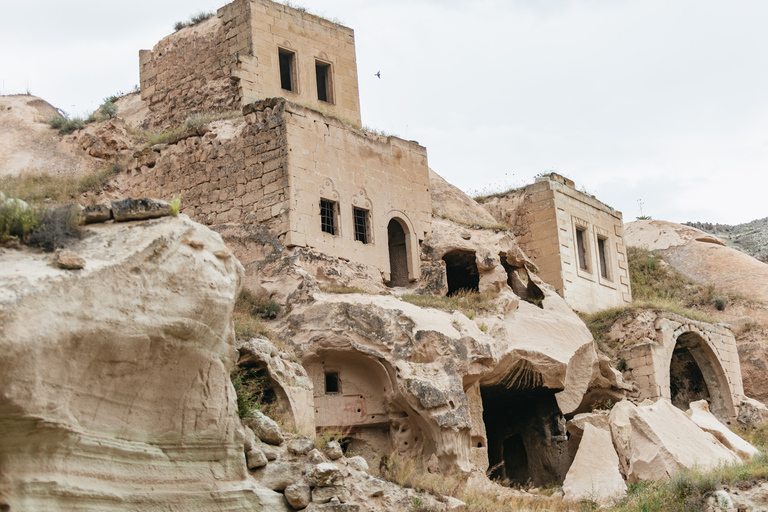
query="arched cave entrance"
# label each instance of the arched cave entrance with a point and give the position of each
(527, 438)
(461, 271)
(398, 254)
(695, 374)
(521, 283)
(353, 393)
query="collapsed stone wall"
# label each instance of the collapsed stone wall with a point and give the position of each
(238, 178)
(189, 72)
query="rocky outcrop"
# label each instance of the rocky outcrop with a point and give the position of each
(114, 380)
(701, 257)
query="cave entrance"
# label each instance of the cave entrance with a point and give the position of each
(521, 283)
(527, 438)
(696, 374)
(461, 271)
(398, 254)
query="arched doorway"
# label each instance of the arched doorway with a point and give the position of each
(398, 254)
(696, 374)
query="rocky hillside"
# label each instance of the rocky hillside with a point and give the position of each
(750, 237)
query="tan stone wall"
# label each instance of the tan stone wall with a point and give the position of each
(231, 60)
(188, 72)
(544, 217)
(649, 362)
(387, 176)
(238, 179)
(275, 26)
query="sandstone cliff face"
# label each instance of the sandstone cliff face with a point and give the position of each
(114, 380)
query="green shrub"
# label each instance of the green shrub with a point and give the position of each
(175, 205)
(64, 125)
(108, 109)
(252, 390)
(17, 221)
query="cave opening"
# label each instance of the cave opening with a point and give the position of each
(521, 283)
(461, 271)
(686, 379)
(527, 438)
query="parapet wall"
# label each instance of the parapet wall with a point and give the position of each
(188, 72)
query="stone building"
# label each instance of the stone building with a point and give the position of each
(576, 241)
(248, 51)
(300, 166)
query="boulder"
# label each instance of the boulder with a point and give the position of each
(656, 440)
(298, 495)
(594, 474)
(300, 446)
(325, 494)
(255, 459)
(68, 260)
(139, 209)
(279, 475)
(333, 450)
(700, 415)
(114, 380)
(264, 427)
(94, 213)
(324, 475)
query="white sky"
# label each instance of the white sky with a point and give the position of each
(653, 100)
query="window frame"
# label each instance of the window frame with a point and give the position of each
(292, 69)
(328, 81)
(334, 209)
(366, 224)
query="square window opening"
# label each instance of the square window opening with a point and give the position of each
(324, 84)
(362, 225)
(581, 249)
(602, 254)
(332, 383)
(287, 70)
(328, 217)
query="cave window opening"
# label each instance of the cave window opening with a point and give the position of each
(332, 383)
(398, 254)
(287, 61)
(521, 283)
(461, 271)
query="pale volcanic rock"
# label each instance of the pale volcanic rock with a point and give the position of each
(450, 202)
(701, 257)
(594, 474)
(657, 440)
(700, 415)
(114, 381)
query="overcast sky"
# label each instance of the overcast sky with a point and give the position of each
(664, 102)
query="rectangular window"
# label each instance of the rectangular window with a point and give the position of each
(361, 225)
(602, 254)
(287, 70)
(581, 248)
(328, 216)
(332, 384)
(323, 76)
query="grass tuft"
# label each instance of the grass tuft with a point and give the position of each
(150, 137)
(469, 303)
(195, 19)
(35, 187)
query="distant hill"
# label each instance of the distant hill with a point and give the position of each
(750, 238)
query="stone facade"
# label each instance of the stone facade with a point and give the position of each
(282, 166)
(251, 50)
(576, 241)
(683, 360)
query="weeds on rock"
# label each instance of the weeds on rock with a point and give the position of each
(35, 187)
(57, 225)
(342, 289)
(17, 221)
(64, 125)
(195, 19)
(252, 390)
(248, 315)
(466, 301)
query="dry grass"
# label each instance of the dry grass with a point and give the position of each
(34, 186)
(151, 137)
(469, 303)
(342, 289)
(247, 318)
(496, 226)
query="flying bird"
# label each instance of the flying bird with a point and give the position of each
(378, 75)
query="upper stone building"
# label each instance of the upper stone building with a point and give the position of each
(576, 241)
(251, 50)
(300, 166)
